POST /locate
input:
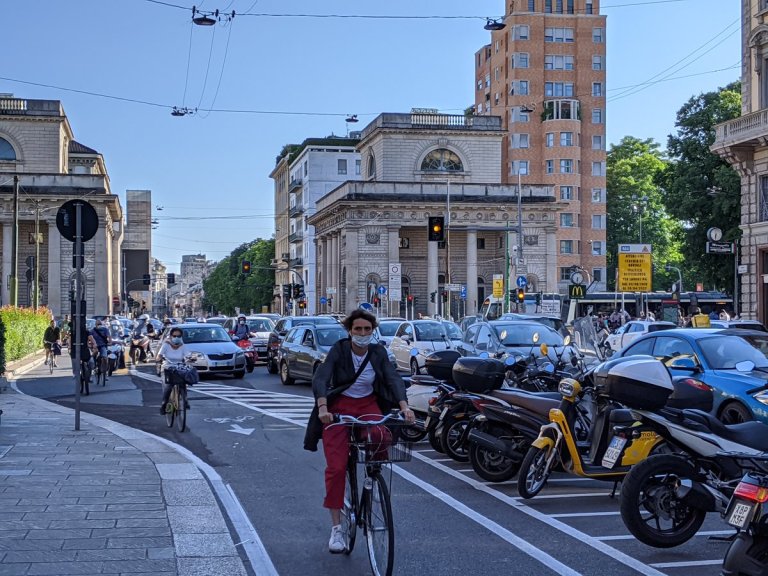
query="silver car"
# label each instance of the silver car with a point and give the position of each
(211, 349)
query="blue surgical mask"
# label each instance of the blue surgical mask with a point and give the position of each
(176, 340)
(362, 341)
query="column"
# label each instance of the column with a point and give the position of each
(101, 296)
(55, 302)
(472, 304)
(352, 264)
(333, 262)
(6, 272)
(432, 277)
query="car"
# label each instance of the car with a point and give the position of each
(260, 326)
(271, 315)
(281, 329)
(211, 349)
(387, 328)
(467, 321)
(744, 324)
(421, 336)
(632, 330)
(732, 362)
(552, 321)
(455, 334)
(499, 338)
(216, 320)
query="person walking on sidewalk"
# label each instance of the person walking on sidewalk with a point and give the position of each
(357, 379)
(51, 336)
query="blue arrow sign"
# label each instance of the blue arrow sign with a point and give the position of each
(522, 282)
(382, 289)
(323, 300)
(366, 306)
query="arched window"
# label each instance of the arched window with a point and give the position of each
(371, 166)
(7, 152)
(442, 160)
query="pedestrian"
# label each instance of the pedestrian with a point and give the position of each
(356, 379)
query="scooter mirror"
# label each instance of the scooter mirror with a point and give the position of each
(567, 340)
(574, 361)
(414, 352)
(535, 337)
(483, 355)
(745, 366)
(544, 349)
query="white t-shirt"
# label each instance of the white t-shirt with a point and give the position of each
(172, 355)
(363, 386)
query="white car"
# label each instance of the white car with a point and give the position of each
(417, 339)
(632, 330)
(387, 328)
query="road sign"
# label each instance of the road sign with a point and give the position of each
(719, 247)
(366, 306)
(743, 268)
(577, 291)
(323, 300)
(453, 287)
(66, 220)
(330, 290)
(395, 294)
(463, 292)
(521, 282)
(634, 268)
(498, 285)
(382, 290)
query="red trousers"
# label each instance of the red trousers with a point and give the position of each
(336, 442)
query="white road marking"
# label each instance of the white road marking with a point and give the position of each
(588, 514)
(240, 430)
(631, 537)
(687, 564)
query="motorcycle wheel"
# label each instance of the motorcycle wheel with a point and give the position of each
(649, 508)
(434, 439)
(491, 466)
(272, 366)
(451, 436)
(747, 554)
(534, 473)
(249, 367)
(412, 434)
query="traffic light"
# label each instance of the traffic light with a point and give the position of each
(171, 278)
(538, 298)
(296, 291)
(302, 304)
(521, 295)
(246, 267)
(676, 291)
(436, 231)
(287, 289)
(445, 296)
(376, 302)
(432, 296)
(146, 279)
(410, 298)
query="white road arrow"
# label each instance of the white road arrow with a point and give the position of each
(240, 430)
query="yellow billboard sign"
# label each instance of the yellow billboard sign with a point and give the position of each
(634, 268)
(498, 285)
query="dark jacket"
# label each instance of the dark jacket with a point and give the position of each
(336, 374)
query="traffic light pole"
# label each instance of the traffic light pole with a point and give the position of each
(448, 248)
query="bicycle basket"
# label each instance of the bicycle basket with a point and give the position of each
(385, 452)
(175, 375)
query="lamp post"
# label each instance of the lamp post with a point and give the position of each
(14, 296)
(669, 268)
(448, 245)
(640, 208)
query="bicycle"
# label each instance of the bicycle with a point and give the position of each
(101, 368)
(372, 509)
(85, 377)
(176, 407)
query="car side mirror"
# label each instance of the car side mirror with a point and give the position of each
(683, 363)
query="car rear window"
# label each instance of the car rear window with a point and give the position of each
(329, 336)
(657, 327)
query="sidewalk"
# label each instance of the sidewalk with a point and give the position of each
(107, 499)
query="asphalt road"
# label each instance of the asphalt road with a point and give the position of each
(447, 520)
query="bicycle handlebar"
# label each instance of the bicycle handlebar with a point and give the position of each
(395, 415)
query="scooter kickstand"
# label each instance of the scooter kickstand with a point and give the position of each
(615, 486)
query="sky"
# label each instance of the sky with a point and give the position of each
(281, 79)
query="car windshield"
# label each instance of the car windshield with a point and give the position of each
(389, 328)
(329, 336)
(260, 325)
(724, 352)
(453, 331)
(430, 332)
(316, 320)
(205, 334)
(522, 335)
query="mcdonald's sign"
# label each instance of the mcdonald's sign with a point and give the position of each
(577, 291)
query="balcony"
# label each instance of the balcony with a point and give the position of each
(748, 130)
(297, 236)
(296, 262)
(297, 207)
(295, 185)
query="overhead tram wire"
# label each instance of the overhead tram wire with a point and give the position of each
(221, 73)
(189, 59)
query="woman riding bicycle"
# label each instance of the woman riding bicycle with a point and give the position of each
(173, 351)
(357, 379)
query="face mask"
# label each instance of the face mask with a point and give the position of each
(177, 340)
(362, 341)
(242, 322)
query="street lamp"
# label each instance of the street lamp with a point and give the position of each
(669, 268)
(637, 207)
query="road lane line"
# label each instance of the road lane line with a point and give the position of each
(688, 564)
(585, 515)
(703, 533)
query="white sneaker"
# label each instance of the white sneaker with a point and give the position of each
(336, 544)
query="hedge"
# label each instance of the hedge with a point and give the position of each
(21, 332)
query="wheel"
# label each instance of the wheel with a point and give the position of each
(735, 413)
(50, 365)
(434, 439)
(412, 433)
(135, 353)
(379, 528)
(272, 366)
(452, 438)
(102, 372)
(249, 367)
(349, 510)
(285, 374)
(181, 410)
(170, 407)
(533, 472)
(239, 374)
(649, 508)
(414, 366)
(489, 465)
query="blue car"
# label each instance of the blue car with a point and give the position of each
(733, 362)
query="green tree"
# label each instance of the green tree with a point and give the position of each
(227, 287)
(635, 205)
(702, 190)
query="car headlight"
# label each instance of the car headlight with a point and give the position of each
(762, 397)
(196, 356)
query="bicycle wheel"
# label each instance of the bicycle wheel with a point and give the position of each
(50, 363)
(379, 528)
(349, 511)
(170, 407)
(103, 369)
(181, 409)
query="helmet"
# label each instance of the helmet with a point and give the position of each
(167, 321)
(144, 317)
(241, 317)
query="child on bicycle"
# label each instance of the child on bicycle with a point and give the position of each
(173, 351)
(357, 379)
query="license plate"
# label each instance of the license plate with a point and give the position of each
(426, 421)
(213, 364)
(614, 451)
(740, 514)
(261, 348)
(443, 413)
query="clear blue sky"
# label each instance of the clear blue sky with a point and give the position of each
(218, 164)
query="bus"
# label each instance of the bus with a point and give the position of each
(549, 304)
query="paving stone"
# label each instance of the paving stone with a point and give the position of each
(82, 524)
(64, 568)
(128, 542)
(21, 544)
(122, 514)
(13, 569)
(196, 519)
(142, 522)
(131, 532)
(111, 554)
(158, 553)
(204, 545)
(211, 567)
(188, 492)
(141, 566)
(39, 556)
(85, 543)
(63, 534)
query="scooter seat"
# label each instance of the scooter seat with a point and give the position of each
(621, 416)
(424, 380)
(536, 402)
(751, 434)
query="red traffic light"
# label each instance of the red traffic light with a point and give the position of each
(410, 298)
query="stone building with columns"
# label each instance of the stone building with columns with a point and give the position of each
(38, 145)
(413, 166)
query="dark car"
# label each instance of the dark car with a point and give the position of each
(281, 329)
(733, 362)
(552, 321)
(501, 337)
(304, 348)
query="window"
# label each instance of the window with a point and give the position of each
(357, 167)
(597, 274)
(597, 62)
(480, 108)
(598, 195)
(549, 166)
(521, 32)
(520, 140)
(566, 246)
(549, 139)
(588, 9)
(497, 46)
(598, 221)
(558, 89)
(7, 153)
(481, 243)
(341, 166)
(487, 80)
(566, 138)
(548, 6)
(597, 248)
(570, 8)
(566, 193)
(496, 74)
(517, 115)
(558, 62)
(305, 168)
(763, 199)
(520, 60)
(559, 6)
(561, 110)
(531, 5)
(558, 35)
(496, 98)
(523, 88)
(597, 143)
(597, 116)
(598, 168)
(566, 166)
(565, 274)
(566, 220)
(371, 166)
(443, 160)
(519, 166)
(597, 35)
(597, 89)
(479, 85)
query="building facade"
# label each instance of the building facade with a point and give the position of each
(421, 164)
(137, 249)
(743, 142)
(37, 145)
(544, 74)
(193, 270)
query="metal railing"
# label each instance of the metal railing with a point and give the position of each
(296, 236)
(295, 185)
